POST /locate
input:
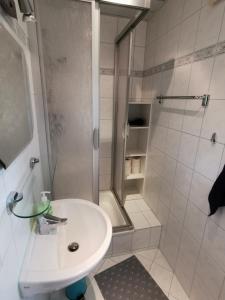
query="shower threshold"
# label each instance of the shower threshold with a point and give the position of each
(117, 214)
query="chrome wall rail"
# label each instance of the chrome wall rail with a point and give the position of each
(204, 98)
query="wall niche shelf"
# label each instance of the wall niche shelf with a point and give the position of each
(136, 146)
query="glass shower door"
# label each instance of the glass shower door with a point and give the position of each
(67, 48)
(121, 96)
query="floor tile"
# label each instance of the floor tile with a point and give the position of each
(161, 260)
(177, 291)
(162, 276)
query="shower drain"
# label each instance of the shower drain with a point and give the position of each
(73, 247)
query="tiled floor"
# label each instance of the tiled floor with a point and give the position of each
(155, 264)
(140, 214)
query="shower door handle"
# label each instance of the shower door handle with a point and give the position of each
(96, 138)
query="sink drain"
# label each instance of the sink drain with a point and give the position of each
(73, 247)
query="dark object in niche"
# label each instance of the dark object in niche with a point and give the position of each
(137, 122)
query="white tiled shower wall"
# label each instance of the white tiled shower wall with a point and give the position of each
(14, 232)
(110, 27)
(183, 163)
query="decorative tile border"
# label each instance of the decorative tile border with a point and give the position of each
(198, 55)
(107, 71)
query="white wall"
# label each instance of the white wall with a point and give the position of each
(110, 27)
(183, 163)
(15, 232)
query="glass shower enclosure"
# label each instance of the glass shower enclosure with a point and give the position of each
(69, 46)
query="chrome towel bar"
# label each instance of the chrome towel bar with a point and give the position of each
(204, 98)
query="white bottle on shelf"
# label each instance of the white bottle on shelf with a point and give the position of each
(127, 167)
(136, 165)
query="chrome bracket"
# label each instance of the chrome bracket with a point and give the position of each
(12, 199)
(213, 138)
(33, 162)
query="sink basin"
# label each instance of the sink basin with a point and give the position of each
(49, 265)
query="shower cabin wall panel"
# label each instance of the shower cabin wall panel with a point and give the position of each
(66, 31)
(122, 86)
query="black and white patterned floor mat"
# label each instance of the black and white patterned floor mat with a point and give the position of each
(128, 280)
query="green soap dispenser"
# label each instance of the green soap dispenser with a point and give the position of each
(45, 200)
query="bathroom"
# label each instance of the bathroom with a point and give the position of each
(120, 103)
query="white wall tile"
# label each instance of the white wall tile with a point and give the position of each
(214, 121)
(122, 243)
(195, 221)
(106, 109)
(178, 205)
(208, 279)
(136, 88)
(183, 178)
(138, 58)
(162, 213)
(158, 137)
(108, 27)
(105, 130)
(152, 189)
(188, 35)
(188, 149)
(106, 86)
(181, 80)
(9, 275)
(208, 158)
(200, 77)
(214, 244)
(170, 51)
(176, 113)
(3, 193)
(156, 159)
(165, 195)
(209, 25)
(176, 131)
(105, 166)
(171, 240)
(186, 261)
(122, 22)
(175, 12)
(217, 85)
(193, 117)
(166, 83)
(172, 143)
(222, 31)
(155, 236)
(140, 34)
(191, 6)
(104, 182)
(107, 55)
(200, 188)
(169, 169)
(140, 239)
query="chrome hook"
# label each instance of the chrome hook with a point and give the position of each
(213, 138)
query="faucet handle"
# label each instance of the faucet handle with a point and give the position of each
(53, 219)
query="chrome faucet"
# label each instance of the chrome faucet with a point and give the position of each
(47, 224)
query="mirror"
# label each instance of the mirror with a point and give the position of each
(15, 110)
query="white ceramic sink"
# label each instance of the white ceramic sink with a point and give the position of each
(49, 265)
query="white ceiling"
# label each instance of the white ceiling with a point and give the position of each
(126, 12)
